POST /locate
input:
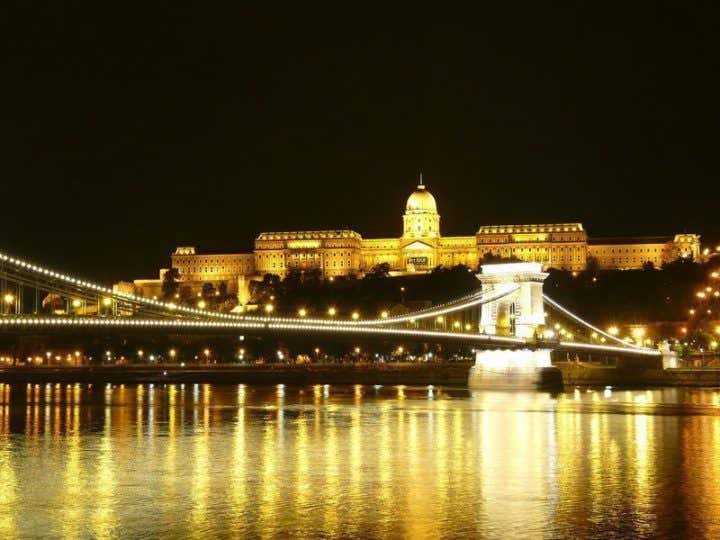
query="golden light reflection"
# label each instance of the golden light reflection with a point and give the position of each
(169, 457)
(419, 522)
(238, 481)
(71, 513)
(355, 462)
(440, 465)
(271, 483)
(8, 481)
(385, 487)
(199, 489)
(265, 463)
(331, 479)
(103, 519)
(303, 482)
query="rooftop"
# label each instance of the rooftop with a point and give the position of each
(540, 228)
(309, 235)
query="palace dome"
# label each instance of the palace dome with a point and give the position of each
(420, 201)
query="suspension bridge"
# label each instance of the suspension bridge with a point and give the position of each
(510, 321)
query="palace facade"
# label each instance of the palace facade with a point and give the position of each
(420, 249)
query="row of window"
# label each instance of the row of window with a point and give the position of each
(631, 250)
(214, 269)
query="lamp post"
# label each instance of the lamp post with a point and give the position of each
(9, 301)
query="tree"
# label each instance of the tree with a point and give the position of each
(592, 266)
(208, 290)
(170, 283)
(648, 266)
(490, 258)
(379, 271)
(186, 295)
(223, 289)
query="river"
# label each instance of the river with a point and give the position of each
(146, 461)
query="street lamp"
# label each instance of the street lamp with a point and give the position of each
(638, 334)
(332, 311)
(355, 315)
(172, 353)
(269, 308)
(9, 300)
(302, 312)
(206, 352)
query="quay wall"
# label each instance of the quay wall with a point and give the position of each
(453, 374)
(401, 373)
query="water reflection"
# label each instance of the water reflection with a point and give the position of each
(393, 461)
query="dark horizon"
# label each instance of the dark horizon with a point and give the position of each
(133, 133)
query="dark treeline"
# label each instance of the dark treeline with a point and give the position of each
(632, 296)
(370, 295)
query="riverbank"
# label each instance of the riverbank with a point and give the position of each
(586, 375)
(449, 374)
(395, 373)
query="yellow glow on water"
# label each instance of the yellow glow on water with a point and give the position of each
(8, 481)
(357, 463)
(103, 520)
(270, 482)
(384, 486)
(168, 458)
(440, 463)
(331, 480)
(302, 481)
(199, 488)
(74, 487)
(415, 502)
(238, 478)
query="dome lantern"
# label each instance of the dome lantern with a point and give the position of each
(421, 217)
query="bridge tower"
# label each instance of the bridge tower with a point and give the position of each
(520, 313)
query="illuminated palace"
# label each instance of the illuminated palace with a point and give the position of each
(420, 248)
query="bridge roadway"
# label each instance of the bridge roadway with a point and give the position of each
(34, 325)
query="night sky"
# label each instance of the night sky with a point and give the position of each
(131, 132)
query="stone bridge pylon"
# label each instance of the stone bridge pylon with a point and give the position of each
(519, 313)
